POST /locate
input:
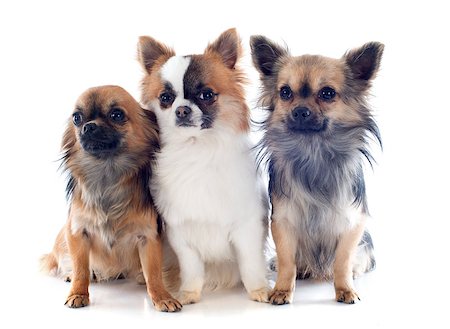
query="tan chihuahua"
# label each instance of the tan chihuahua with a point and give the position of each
(113, 230)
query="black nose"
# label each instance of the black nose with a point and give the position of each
(302, 119)
(183, 112)
(89, 127)
(301, 114)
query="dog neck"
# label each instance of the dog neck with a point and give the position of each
(108, 187)
(328, 167)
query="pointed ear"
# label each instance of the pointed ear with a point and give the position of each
(228, 46)
(150, 51)
(265, 53)
(365, 61)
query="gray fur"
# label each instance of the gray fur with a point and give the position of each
(317, 177)
(320, 176)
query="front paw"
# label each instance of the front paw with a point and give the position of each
(280, 297)
(167, 305)
(77, 301)
(260, 295)
(189, 297)
(348, 296)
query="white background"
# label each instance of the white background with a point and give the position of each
(52, 51)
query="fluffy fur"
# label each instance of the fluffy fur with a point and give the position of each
(316, 139)
(112, 229)
(206, 185)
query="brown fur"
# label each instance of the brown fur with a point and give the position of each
(227, 79)
(343, 263)
(286, 246)
(152, 55)
(112, 230)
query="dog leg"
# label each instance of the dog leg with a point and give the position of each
(343, 264)
(192, 269)
(79, 248)
(150, 254)
(286, 245)
(249, 243)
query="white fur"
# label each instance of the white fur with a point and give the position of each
(207, 190)
(173, 71)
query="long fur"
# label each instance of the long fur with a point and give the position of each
(112, 218)
(110, 188)
(206, 185)
(325, 172)
(316, 178)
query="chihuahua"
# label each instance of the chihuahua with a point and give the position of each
(316, 139)
(113, 230)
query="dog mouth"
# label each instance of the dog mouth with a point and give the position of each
(100, 148)
(206, 123)
(99, 141)
(186, 124)
(313, 127)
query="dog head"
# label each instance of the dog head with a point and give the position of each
(192, 94)
(313, 94)
(108, 124)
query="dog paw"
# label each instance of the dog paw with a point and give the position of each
(347, 296)
(76, 301)
(189, 297)
(280, 297)
(260, 295)
(167, 305)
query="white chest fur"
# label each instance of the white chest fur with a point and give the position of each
(205, 186)
(207, 181)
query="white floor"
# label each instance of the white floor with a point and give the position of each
(391, 297)
(123, 303)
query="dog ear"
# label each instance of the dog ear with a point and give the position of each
(265, 54)
(228, 46)
(150, 51)
(365, 61)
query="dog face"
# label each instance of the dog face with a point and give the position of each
(313, 94)
(192, 94)
(107, 121)
(108, 124)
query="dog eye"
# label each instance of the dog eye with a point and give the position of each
(166, 98)
(117, 115)
(77, 119)
(207, 96)
(285, 93)
(327, 93)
